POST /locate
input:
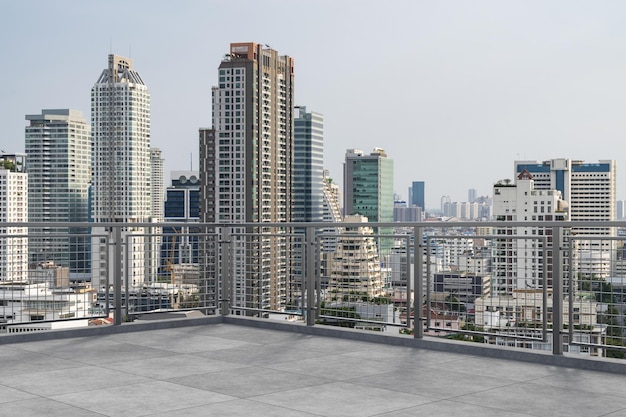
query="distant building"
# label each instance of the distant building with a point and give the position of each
(531, 266)
(120, 129)
(368, 188)
(58, 148)
(247, 162)
(416, 192)
(182, 204)
(308, 166)
(471, 195)
(13, 208)
(353, 271)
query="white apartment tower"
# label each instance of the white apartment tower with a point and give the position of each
(523, 263)
(246, 164)
(13, 209)
(590, 190)
(120, 128)
(58, 148)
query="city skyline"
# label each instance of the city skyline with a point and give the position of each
(442, 87)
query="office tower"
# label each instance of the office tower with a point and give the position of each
(368, 188)
(445, 202)
(590, 190)
(252, 158)
(154, 237)
(180, 246)
(417, 195)
(120, 129)
(523, 263)
(308, 184)
(58, 148)
(157, 186)
(13, 209)
(471, 195)
(588, 187)
(308, 166)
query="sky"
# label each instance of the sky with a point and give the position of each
(454, 91)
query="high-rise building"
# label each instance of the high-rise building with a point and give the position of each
(471, 195)
(13, 209)
(368, 188)
(120, 129)
(417, 195)
(523, 263)
(180, 246)
(620, 210)
(157, 186)
(250, 158)
(308, 166)
(58, 148)
(590, 188)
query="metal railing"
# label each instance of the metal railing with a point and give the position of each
(558, 286)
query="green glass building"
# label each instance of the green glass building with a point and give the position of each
(368, 189)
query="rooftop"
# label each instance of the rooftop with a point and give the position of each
(230, 366)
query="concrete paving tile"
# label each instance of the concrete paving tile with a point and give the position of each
(435, 383)
(335, 367)
(8, 394)
(499, 368)
(121, 352)
(190, 343)
(236, 408)
(586, 381)
(43, 407)
(541, 400)
(343, 399)
(260, 355)
(15, 362)
(172, 366)
(401, 356)
(452, 409)
(248, 382)
(618, 413)
(72, 380)
(74, 344)
(141, 399)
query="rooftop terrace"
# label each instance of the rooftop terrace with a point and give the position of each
(232, 366)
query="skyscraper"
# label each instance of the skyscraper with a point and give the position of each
(532, 266)
(157, 185)
(308, 166)
(368, 188)
(58, 148)
(120, 128)
(13, 208)
(417, 195)
(589, 188)
(252, 163)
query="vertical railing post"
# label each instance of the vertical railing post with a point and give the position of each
(409, 284)
(117, 273)
(418, 273)
(310, 262)
(557, 290)
(226, 272)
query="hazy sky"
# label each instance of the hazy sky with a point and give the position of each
(455, 91)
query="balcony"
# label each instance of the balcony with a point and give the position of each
(252, 354)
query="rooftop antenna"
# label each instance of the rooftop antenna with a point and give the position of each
(191, 161)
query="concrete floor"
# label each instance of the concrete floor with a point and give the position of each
(233, 370)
